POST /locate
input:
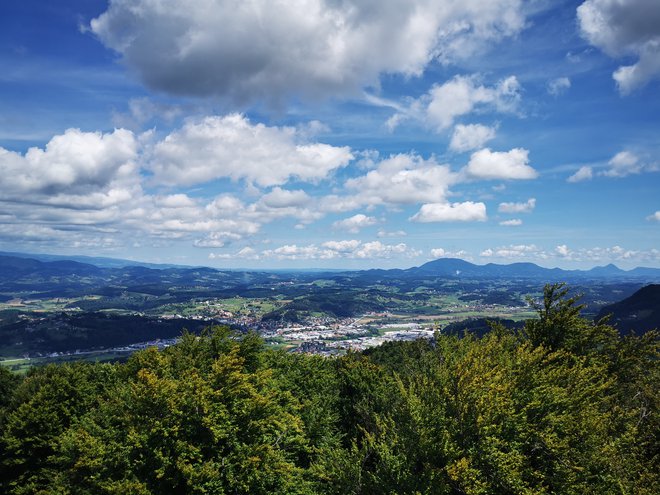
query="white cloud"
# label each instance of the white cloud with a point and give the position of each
(232, 147)
(281, 198)
(396, 233)
(444, 103)
(467, 211)
(513, 164)
(281, 203)
(625, 28)
(376, 249)
(593, 255)
(438, 253)
(174, 201)
(403, 179)
(622, 164)
(470, 137)
(295, 252)
(271, 50)
(461, 95)
(629, 78)
(611, 254)
(515, 222)
(526, 207)
(87, 182)
(583, 173)
(342, 246)
(80, 182)
(355, 223)
(351, 249)
(515, 251)
(654, 217)
(559, 86)
(73, 163)
(339, 204)
(443, 253)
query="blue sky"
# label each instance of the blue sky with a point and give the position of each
(343, 134)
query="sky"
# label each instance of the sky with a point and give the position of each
(332, 133)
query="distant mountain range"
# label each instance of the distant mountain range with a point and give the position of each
(14, 266)
(100, 261)
(453, 267)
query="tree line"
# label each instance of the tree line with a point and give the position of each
(564, 406)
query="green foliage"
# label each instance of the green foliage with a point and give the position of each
(560, 325)
(565, 407)
(43, 407)
(8, 382)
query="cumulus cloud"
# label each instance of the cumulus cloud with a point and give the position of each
(282, 198)
(515, 222)
(281, 203)
(85, 183)
(403, 179)
(438, 253)
(295, 252)
(654, 217)
(505, 165)
(515, 251)
(461, 95)
(350, 249)
(79, 182)
(376, 249)
(339, 204)
(222, 219)
(593, 255)
(559, 86)
(583, 173)
(232, 147)
(526, 207)
(342, 246)
(625, 28)
(73, 162)
(443, 253)
(355, 223)
(271, 50)
(467, 211)
(90, 182)
(622, 164)
(470, 137)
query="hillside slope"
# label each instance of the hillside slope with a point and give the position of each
(639, 312)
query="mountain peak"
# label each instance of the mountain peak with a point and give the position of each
(606, 270)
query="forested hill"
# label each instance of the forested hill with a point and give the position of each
(563, 406)
(637, 312)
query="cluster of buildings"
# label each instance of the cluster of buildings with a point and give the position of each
(330, 340)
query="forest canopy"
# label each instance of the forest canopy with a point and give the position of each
(565, 405)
